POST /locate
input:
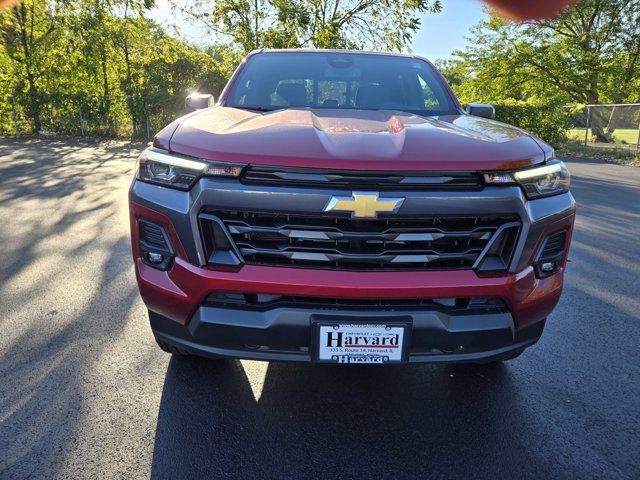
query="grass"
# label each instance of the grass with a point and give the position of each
(628, 136)
(615, 153)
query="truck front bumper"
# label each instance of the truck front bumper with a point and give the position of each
(181, 316)
(288, 334)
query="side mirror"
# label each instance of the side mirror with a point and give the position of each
(197, 101)
(481, 110)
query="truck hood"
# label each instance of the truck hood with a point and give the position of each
(351, 139)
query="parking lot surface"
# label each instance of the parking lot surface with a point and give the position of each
(85, 392)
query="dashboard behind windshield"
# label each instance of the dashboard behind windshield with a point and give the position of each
(276, 80)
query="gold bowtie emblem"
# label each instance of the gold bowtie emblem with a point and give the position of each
(364, 205)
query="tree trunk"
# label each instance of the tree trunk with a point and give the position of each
(106, 94)
(34, 97)
(131, 102)
(34, 104)
(129, 88)
(597, 123)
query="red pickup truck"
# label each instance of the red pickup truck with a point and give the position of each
(343, 207)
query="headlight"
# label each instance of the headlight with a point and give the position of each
(543, 181)
(162, 168)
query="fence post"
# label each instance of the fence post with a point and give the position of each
(15, 122)
(147, 127)
(81, 123)
(586, 130)
(638, 142)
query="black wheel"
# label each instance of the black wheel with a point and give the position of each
(172, 349)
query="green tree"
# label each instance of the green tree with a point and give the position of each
(359, 23)
(30, 31)
(252, 24)
(99, 64)
(590, 54)
(94, 29)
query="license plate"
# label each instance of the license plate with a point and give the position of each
(360, 343)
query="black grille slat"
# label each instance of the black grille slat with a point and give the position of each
(152, 236)
(284, 221)
(259, 174)
(303, 231)
(451, 305)
(339, 242)
(244, 246)
(554, 246)
(364, 258)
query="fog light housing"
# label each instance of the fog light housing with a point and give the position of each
(551, 254)
(548, 267)
(154, 257)
(155, 248)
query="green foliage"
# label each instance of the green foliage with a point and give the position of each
(27, 30)
(590, 54)
(548, 121)
(92, 66)
(99, 67)
(252, 24)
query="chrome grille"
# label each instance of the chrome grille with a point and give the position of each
(339, 242)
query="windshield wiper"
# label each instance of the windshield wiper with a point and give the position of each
(257, 108)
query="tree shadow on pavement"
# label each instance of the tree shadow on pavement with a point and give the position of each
(66, 291)
(45, 373)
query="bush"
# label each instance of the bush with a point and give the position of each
(549, 122)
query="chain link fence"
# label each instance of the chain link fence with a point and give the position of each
(613, 126)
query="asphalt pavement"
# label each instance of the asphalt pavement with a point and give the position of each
(85, 392)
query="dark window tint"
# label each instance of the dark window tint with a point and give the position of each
(339, 80)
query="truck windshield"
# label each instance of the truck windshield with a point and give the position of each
(276, 80)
